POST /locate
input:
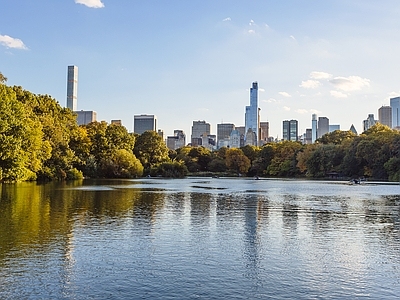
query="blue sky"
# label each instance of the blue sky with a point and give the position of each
(196, 60)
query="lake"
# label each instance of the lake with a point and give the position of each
(199, 238)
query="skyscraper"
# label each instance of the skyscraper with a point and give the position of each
(385, 116)
(199, 129)
(251, 115)
(395, 105)
(223, 134)
(143, 123)
(290, 130)
(323, 126)
(314, 128)
(369, 122)
(72, 88)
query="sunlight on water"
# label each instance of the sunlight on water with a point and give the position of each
(199, 238)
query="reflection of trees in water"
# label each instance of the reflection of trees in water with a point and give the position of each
(200, 208)
(290, 214)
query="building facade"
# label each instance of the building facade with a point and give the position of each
(264, 132)
(369, 122)
(290, 130)
(142, 123)
(314, 128)
(252, 115)
(223, 134)
(323, 126)
(395, 105)
(85, 117)
(178, 140)
(199, 128)
(385, 116)
(72, 88)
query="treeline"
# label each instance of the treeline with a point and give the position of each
(40, 140)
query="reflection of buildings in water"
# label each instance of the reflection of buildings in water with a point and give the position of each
(200, 208)
(255, 209)
(290, 214)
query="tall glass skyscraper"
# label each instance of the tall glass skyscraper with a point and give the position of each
(395, 105)
(251, 115)
(72, 88)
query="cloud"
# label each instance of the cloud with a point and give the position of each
(338, 94)
(394, 94)
(314, 111)
(10, 42)
(320, 75)
(310, 84)
(91, 3)
(261, 90)
(292, 37)
(226, 19)
(301, 111)
(251, 23)
(271, 100)
(252, 31)
(284, 94)
(351, 83)
(286, 108)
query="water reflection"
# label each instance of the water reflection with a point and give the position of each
(198, 239)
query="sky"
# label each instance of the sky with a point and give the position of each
(196, 60)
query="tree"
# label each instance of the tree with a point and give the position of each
(200, 155)
(121, 164)
(3, 79)
(237, 161)
(151, 150)
(336, 137)
(174, 169)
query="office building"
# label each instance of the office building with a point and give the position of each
(333, 128)
(290, 130)
(353, 129)
(395, 105)
(314, 128)
(323, 126)
(199, 128)
(369, 122)
(308, 136)
(72, 88)
(116, 122)
(223, 134)
(385, 115)
(176, 141)
(85, 117)
(235, 139)
(142, 123)
(252, 117)
(264, 132)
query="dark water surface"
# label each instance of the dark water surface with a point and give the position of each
(199, 238)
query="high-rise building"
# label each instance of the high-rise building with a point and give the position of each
(369, 122)
(223, 134)
(264, 132)
(199, 128)
(385, 115)
(177, 140)
(395, 105)
(290, 130)
(314, 128)
(308, 136)
(332, 128)
(72, 88)
(252, 115)
(353, 129)
(85, 117)
(142, 123)
(323, 126)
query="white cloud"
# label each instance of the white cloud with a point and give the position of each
(261, 90)
(284, 94)
(310, 84)
(351, 83)
(10, 42)
(314, 111)
(271, 100)
(251, 23)
(301, 111)
(252, 31)
(91, 3)
(394, 94)
(292, 37)
(320, 75)
(286, 108)
(338, 94)
(226, 19)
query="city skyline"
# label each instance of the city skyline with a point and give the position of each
(196, 62)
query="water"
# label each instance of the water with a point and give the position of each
(199, 238)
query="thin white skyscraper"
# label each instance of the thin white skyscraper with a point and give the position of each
(314, 128)
(251, 115)
(72, 88)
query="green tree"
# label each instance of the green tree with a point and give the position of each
(237, 161)
(172, 169)
(151, 150)
(121, 163)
